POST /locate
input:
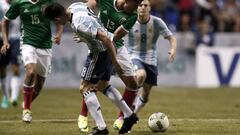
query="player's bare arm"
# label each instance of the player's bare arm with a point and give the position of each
(5, 26)
(119, 33)
(92, 4)
(111, 50)
(173, 43)
(59, 31)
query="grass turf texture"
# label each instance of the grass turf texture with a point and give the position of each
(191, 111)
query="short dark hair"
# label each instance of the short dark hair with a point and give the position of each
(54, 10)
(137, 1)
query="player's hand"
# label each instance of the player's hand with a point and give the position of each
(76, 38)
(4, 48)
(57, 39)
(171, 55)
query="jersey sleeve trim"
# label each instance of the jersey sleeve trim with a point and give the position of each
(5, 17)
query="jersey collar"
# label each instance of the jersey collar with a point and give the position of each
(33, 2)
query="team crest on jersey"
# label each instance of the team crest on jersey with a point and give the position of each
(150, 30)
(122, 20)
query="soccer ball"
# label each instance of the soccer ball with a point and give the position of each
(158, 122)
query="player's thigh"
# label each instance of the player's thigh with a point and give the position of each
(44, 62)
(29, 54)
(130, 82)
(147, 87)
(102, 85)
(98, 66)
(125, 61)
(139, 68)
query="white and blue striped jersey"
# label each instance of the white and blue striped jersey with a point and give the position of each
(85, 24)
(142, 39)
(14, 26)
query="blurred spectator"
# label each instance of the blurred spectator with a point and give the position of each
(157, 7)
(185, 22)
(228, 16)
(207, 9)
(204, 34)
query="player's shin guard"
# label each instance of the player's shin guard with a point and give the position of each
(129, 97)
(94, 109)
(114, 95)
(27, 94)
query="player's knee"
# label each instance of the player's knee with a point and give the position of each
(16, 71)
(141, 77)
(30, 71)
(84, 88)
(133, 85)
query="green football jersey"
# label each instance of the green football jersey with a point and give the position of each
(112, 18)
(35, 28)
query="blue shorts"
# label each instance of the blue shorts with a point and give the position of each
(98, 66)
(151, 71)
(13, 53)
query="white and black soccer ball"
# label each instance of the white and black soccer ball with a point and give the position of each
(158, 122)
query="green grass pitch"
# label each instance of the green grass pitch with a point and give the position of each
(191, 111)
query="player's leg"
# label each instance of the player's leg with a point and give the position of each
(15, 84)
(150, 81)
(5, 101)
(35, 76)
(3, 73)
(116, 98)
(142, 99)
(15, 63)
(130, 80)
(28, 88)
(92, 72)
(93, 105)
(42, 70)
(29, 57)
(39, 82)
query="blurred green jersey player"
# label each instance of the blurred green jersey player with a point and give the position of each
(36, 44)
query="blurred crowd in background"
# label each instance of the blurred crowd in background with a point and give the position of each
(190, 15)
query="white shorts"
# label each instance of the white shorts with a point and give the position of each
(125, 61)
(40, 57)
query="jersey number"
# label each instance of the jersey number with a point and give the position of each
(35, 19)
(110, 24)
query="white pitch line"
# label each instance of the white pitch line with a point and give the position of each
(75, 120)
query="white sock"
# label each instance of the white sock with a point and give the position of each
(94, 109)
(139, 104)
(4, 88)
(114, 95)
(15, 87)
